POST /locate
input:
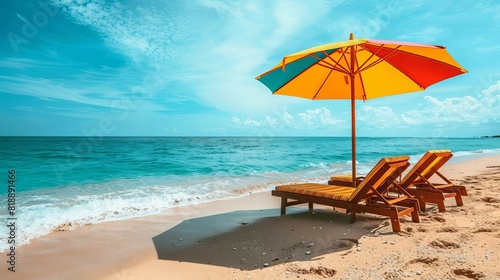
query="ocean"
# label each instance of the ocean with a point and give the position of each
(62, 183)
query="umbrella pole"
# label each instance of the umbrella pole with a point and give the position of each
(353, 112)
(353, 135)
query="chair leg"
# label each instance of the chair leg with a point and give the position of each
(415, 217)
(396, 226)
(283, 206)
(422, 204)
(310, 207)
(463, 190)
(458, 197)
(353, 216)
(440, 205)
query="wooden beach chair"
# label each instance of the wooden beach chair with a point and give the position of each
(365, 198)
(417, 181)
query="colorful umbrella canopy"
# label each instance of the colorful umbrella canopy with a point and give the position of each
(360, 69)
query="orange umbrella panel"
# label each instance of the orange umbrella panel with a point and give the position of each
(381, 68)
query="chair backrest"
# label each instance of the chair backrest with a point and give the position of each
(426, 166)
(383, 171)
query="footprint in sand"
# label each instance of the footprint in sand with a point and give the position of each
(484, 230)
(421, 229)
(458, 210)
(346, 243)
(443, 244)
(490, 199)
(319, 271)
(471, 182)
(426, 260)
(437, 219)
(447, 229)
(469, 273)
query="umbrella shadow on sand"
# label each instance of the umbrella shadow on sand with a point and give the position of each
(250, 239)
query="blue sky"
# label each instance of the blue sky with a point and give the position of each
(188, 68)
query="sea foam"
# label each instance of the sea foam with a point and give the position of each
(69, 207)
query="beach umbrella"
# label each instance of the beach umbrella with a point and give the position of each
(360, 69)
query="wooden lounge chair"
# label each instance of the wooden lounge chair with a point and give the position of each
(365, 198)
(417, 181)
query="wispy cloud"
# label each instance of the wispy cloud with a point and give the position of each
(163, 59)
(488, 8)
(214, 48)
(230, 64)
(489, 49)
(20, 63)
(100, 96)
(122, 27)
(428, 34)
(80, 113)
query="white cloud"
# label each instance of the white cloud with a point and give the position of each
(267, 122)
(287, 119)
(378, 117)
(309, 120)
(491, 90)
(467, 110)
(458, 111)
(321, 116)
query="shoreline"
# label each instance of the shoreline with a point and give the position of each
(126, 249)
(70, 206)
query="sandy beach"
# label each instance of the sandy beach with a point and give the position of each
(244, 238)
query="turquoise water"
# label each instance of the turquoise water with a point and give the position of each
(68, 182)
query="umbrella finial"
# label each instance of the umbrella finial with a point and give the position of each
(351, 37)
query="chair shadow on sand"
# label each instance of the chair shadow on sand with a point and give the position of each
(251, 239)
